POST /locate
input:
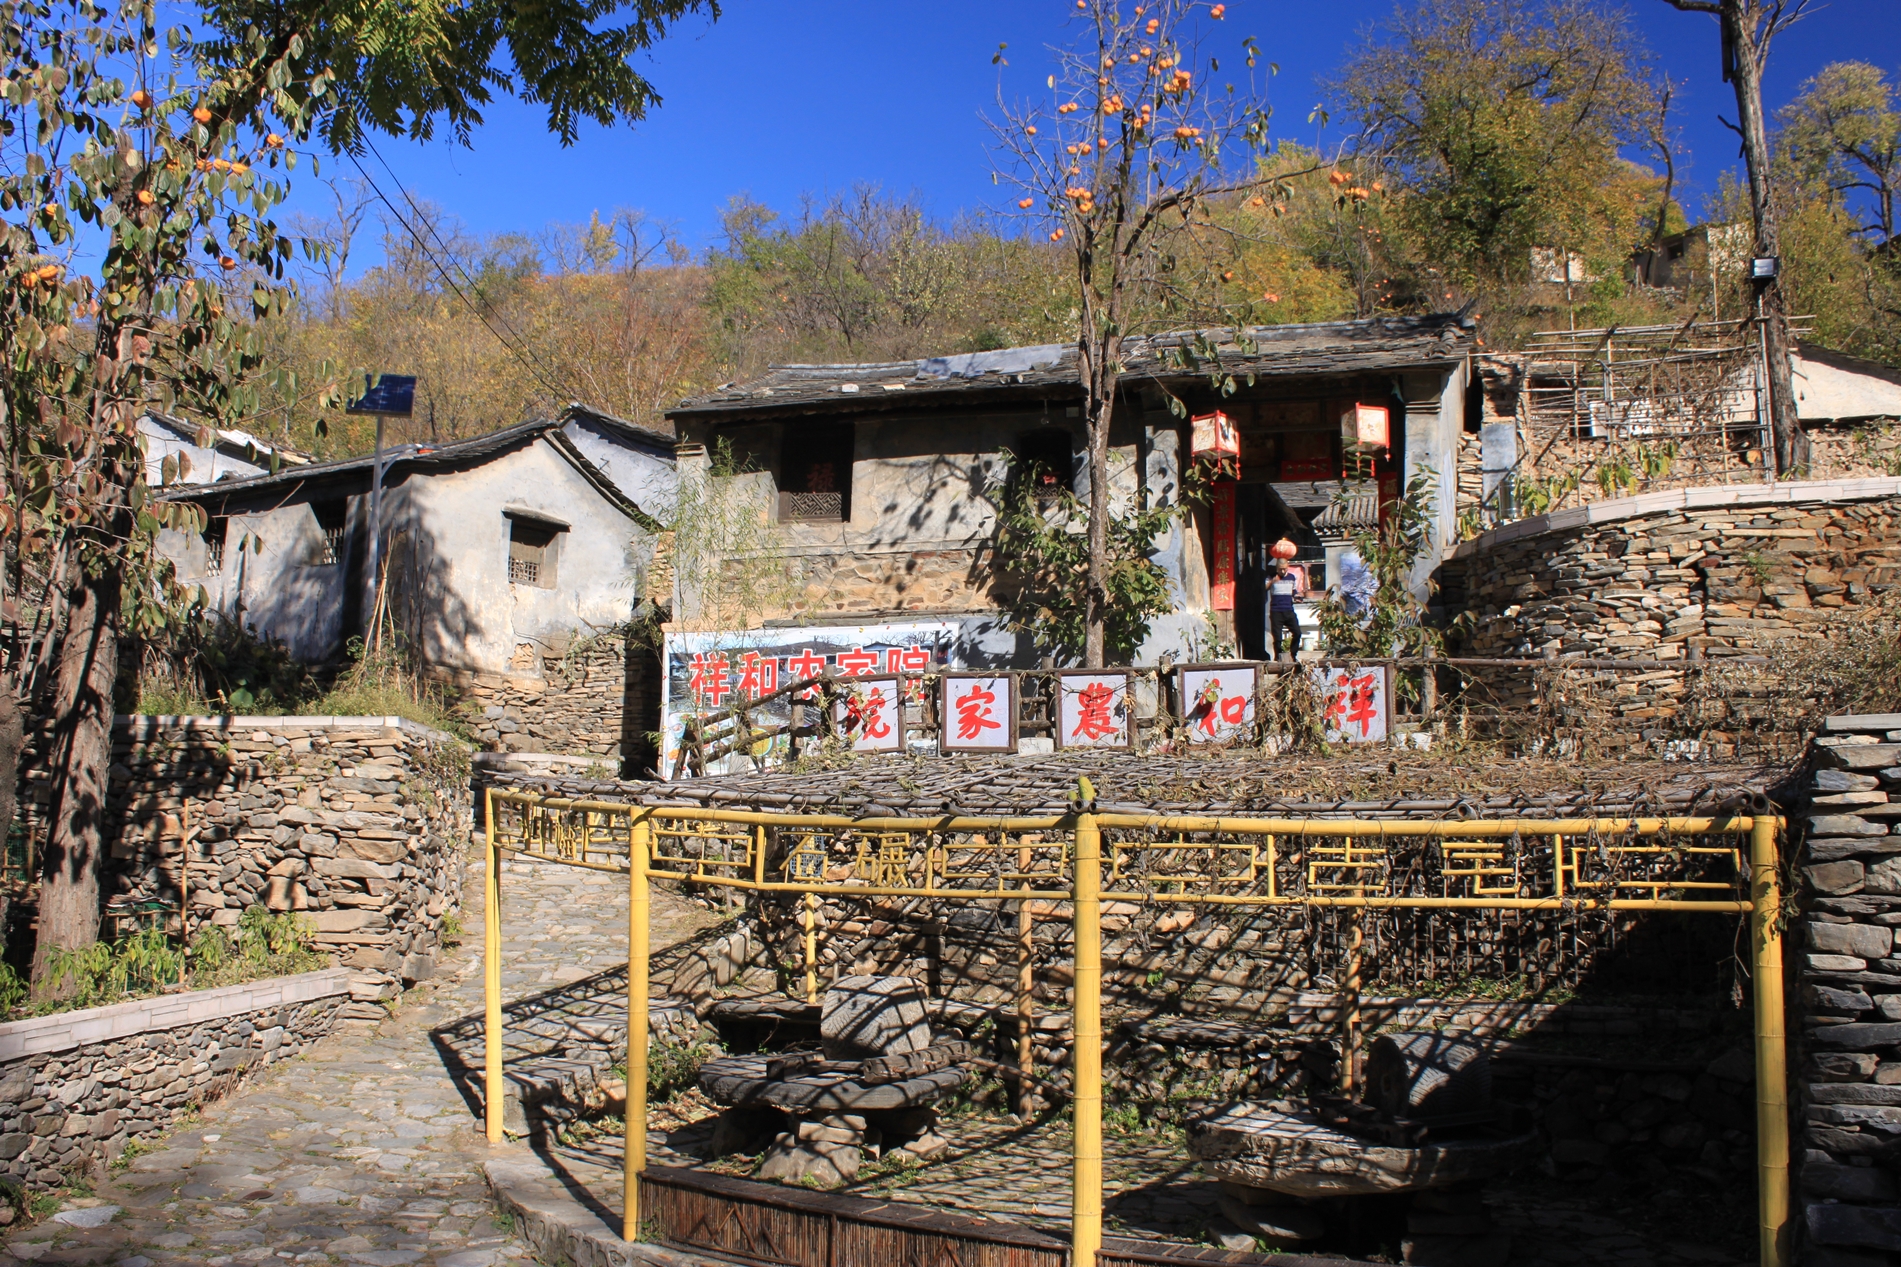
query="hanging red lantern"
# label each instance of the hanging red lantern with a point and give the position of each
(1283, 549)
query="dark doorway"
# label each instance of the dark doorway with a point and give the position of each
(1261, 519)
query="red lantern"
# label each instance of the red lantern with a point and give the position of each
(1283, 549)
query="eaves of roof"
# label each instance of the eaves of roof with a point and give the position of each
(355, 473)
(659, 441)
(1175, 360)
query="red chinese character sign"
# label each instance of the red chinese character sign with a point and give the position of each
(707, 672)
(869, 714)
(978, 712)
(1221, 579)
(1356, 703)
(1093, 711)
(1217, 702)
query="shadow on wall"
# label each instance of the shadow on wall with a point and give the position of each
(317, 608)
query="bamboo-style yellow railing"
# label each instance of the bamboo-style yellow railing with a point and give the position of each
(1624, 864)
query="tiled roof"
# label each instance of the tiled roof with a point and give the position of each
(1181, 359)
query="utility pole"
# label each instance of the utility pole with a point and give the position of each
(391, 396)
(1747, 28)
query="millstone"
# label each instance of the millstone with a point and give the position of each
(863, 1017)
(1427, 1075)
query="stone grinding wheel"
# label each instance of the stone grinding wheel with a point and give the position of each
(1427, 1076)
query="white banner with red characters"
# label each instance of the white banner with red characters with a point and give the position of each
(1217, 702)
(1356, 704)
(869, 715)
(1093, 711)
(706, 672)
(979, 712)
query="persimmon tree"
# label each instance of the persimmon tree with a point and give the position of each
(1133, 160)
(139, 169)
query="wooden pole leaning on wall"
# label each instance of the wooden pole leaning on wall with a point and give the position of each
(1772, 1072)
(1086, 1063)
(492, 1089)
(639, 922)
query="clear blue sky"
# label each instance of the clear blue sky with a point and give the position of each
(777, 99)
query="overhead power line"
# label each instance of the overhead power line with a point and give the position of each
(512, 339)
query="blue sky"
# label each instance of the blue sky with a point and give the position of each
(777, 99)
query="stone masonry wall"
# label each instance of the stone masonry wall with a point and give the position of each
(357, 822)
(598, 699)
(1847, 1064)
(77, 1087)
(1706, 574)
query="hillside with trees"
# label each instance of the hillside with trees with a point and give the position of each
(1515, 158)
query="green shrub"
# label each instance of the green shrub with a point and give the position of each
(675, 1067)
(261, 945)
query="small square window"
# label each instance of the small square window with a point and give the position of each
(1046, 459)
(531, 552)
(815, 474)
(217, 532)
(333, 518)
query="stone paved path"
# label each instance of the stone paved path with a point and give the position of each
(364, 1150)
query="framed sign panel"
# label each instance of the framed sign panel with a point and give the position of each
(979, 712)
(869, 714)
(1356, 704)
(1093, 710)
(1218, 701)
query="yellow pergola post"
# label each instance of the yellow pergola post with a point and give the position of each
(1772, 1074)
(634, 1160)
(811, 947)
(493, 1091)
(1086, 1065)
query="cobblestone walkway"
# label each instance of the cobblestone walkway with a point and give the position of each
(364, 1150)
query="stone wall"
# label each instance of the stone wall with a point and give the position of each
(360, 823)
(888, 579)
(599, 698)
(1698, 574)
(77, 1087)
(1847, 1061)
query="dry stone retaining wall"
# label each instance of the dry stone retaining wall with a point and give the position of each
(599, 699)
(358, 823)
(1847, 966)
(1697, 574)
(77, 1087)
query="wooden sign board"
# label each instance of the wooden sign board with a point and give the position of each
(1217, 701)
(979, 712)
(1094, 710)
(1356, 704)
(869, 714)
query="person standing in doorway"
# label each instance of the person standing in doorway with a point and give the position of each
(1286, 584)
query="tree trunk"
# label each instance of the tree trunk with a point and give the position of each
(1744, 67)
(12, 740)
(1101, 414)
(1097, 366)
(81, 752)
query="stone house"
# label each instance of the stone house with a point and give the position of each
(515, 564)
(881, 477)
(1598, 415)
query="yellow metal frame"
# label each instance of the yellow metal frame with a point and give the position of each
(1594, 864)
